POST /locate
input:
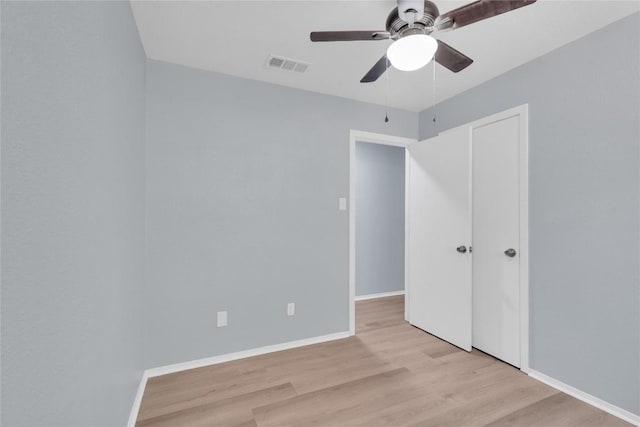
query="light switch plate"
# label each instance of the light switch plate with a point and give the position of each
(342, 203)
(291, 309)
(222, 319)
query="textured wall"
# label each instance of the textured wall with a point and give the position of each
(242, 185)
(72, 213)
(379, 218)
(243, 181)
(584, 189)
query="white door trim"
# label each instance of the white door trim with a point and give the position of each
(375, 138)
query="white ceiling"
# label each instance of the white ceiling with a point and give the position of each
(236, 37)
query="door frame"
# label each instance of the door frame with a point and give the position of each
(373, 138)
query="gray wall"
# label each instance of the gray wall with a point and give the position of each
(243, 181)
(583, 204)
(72, 213)
(379, 218)
(242, 187)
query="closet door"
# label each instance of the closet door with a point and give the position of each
(439, 236)
(496, 239)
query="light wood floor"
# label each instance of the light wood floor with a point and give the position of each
(389, 374)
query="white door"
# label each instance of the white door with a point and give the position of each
(496, 242)
(439, 263)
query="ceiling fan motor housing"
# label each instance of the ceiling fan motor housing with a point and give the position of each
(398, 27)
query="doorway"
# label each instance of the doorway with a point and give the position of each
(460, 191)
(377, 290)
(380, 176)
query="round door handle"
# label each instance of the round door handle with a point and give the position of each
(461, 249)
(510, 252)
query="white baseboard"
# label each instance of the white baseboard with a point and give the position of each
(169, 369)
(380, 295)
(586, 397)
(133, 415)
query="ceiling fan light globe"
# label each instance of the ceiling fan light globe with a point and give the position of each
(412, 52)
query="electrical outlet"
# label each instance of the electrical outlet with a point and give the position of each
(291, 309)
(222, 319)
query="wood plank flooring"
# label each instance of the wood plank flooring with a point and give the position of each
(389, 374)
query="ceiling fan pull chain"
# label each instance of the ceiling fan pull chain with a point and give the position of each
(433, 87)
(386, 106)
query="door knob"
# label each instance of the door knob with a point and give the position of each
(510, 252)
(461, 249)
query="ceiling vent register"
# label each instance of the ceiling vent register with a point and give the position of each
(287, 64)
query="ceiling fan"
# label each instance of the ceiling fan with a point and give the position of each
(410, 26)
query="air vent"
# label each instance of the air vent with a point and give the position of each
(287, 64)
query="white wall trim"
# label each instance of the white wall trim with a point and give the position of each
(407, 207)
(135, 409)
(524, 237)
(380, 295)
(586, 397)
(375, 138)
(169, 369)
(193, 364)
(379, 138)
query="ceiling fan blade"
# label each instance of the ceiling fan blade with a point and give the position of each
(377, 70)
(345, 36)
(477, 11)
(451, 58)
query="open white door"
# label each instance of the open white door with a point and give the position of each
(439, 189)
